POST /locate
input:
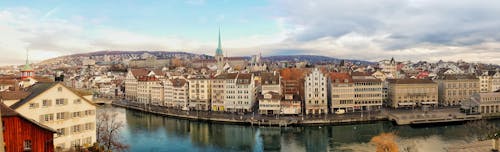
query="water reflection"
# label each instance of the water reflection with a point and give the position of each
(147, 132)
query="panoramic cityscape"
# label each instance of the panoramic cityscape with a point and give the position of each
(203, 75)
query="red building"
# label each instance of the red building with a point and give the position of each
(23, 134)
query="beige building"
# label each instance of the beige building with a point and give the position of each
(199, 92)
(177, 93)
(412, 93)
(144, 89)
(131, 83)
(218, 91)
(489, 81)
(488, 103)
(58, 107)
(316, 100)
(356, 92)
(269, 103)
(456, 88)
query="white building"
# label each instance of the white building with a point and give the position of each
(316, 100)
(269, 103)
(239, 92)
(58, 107)
(271, 82)
(131, 82)
(177, 93)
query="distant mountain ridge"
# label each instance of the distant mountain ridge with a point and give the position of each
(187, 55)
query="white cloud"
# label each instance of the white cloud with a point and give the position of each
(405, 29)
(52, 37)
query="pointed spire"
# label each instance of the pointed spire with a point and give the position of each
(220, 45)
(27, 57)
(27, 66)
(218, 51)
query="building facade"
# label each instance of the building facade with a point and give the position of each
(412, 93)
(199, 92)
(239, 93)
(177, 93)
(316, 100)
(355, 92)
(23, 134)
(456, 88)
(58, 107)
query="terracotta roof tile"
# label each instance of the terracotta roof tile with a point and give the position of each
(13, 95)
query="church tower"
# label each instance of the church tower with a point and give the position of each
(219, 56)
(27, 71)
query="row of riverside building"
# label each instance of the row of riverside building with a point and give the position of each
(295, 91)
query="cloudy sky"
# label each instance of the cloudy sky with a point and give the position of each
(365, 29)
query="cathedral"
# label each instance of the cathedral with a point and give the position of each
(220, 63)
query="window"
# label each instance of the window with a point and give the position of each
(59, 89)
(27, 145)
(60, 101)
(76, 114)
(46, 103)
(60, 116)
(76, 128)
(48, 117)
(33, 105)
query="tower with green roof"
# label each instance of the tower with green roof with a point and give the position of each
(219, 57)
(27, 71)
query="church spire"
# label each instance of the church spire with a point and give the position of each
(219, 46)
(27, 66)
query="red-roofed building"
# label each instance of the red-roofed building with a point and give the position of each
(24, 134)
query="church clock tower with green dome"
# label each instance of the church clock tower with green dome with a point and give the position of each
(219, 57)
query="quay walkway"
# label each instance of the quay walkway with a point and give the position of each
(400, 117)
(255, 119)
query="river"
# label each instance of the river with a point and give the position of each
(145, 132)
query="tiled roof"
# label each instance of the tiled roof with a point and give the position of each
(13, 95)
(34, 90)
(341, 77)
(147, 78)
(43, 79)
(139, 72)
(178, 82)
(270, 78)
(227, 76)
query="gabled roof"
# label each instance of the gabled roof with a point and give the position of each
(139, 72)
(35, 90)
(40, 88)
(8, 112)
(177, 82)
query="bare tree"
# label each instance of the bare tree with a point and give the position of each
(108, 132)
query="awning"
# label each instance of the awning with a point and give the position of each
(406, 103)
(429, 102)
